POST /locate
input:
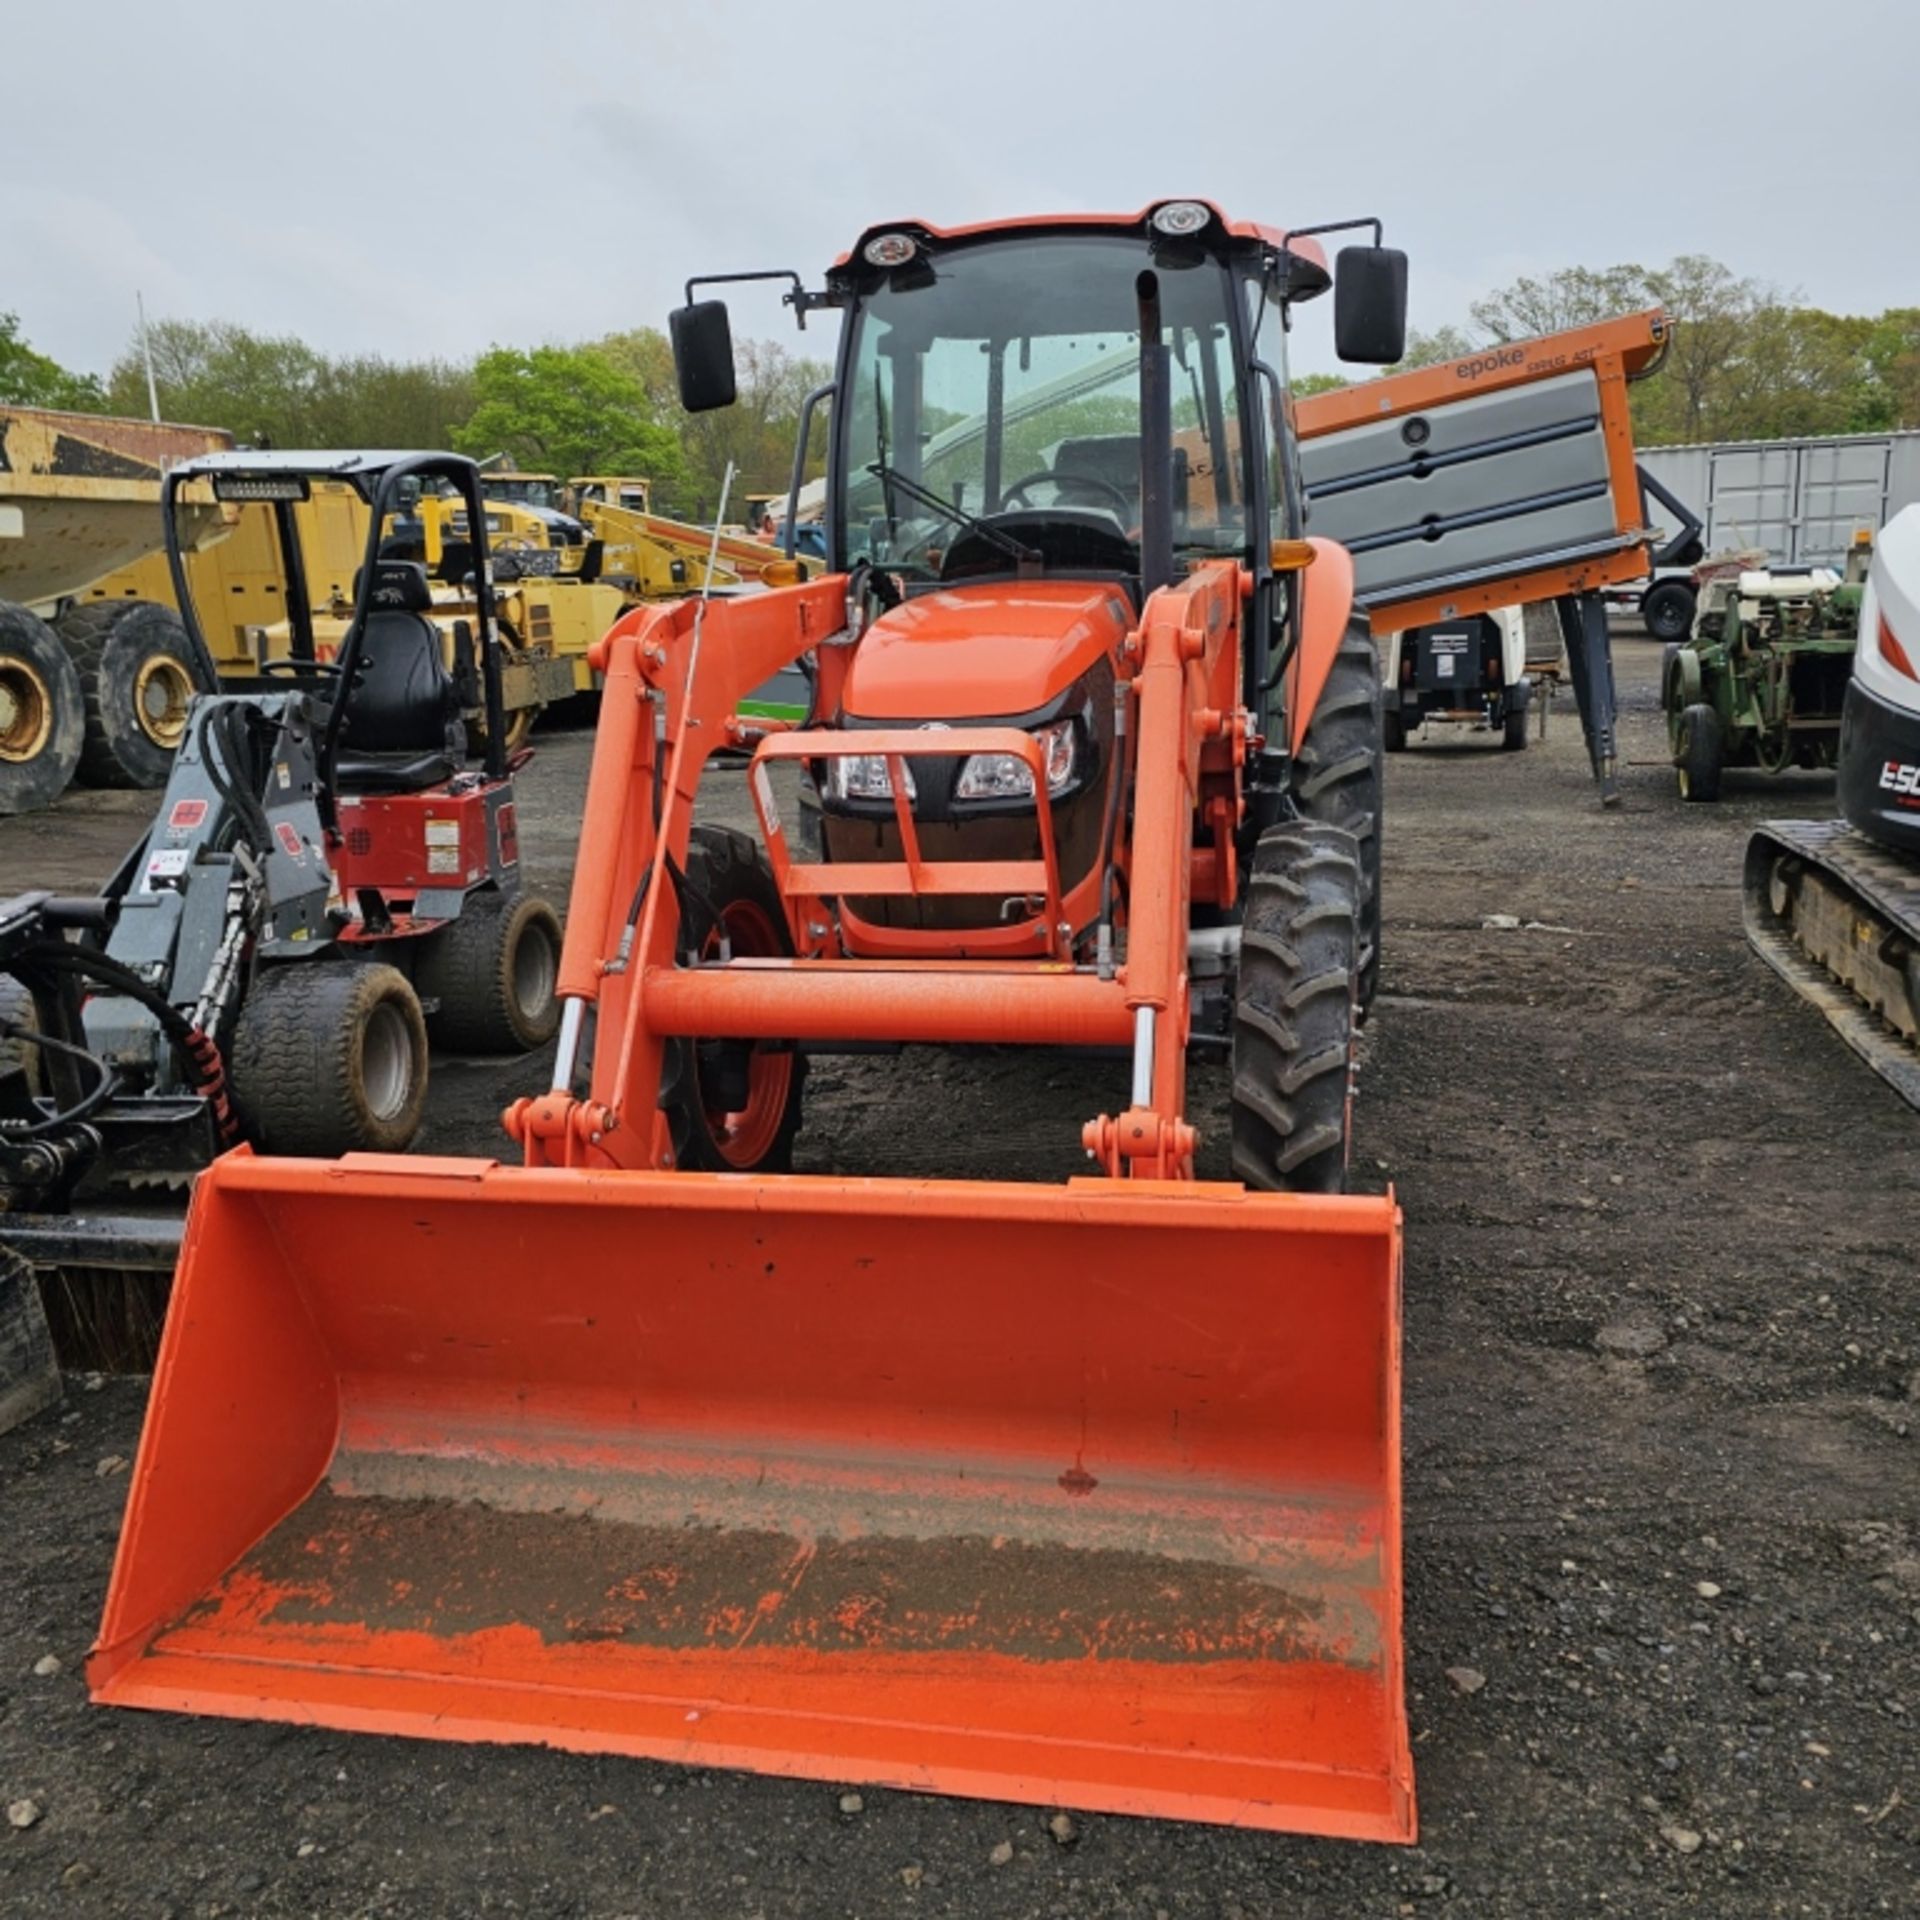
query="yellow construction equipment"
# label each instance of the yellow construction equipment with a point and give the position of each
(79, 494)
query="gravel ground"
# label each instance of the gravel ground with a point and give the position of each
(1662, 1496)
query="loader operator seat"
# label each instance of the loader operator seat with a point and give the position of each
(402, 729)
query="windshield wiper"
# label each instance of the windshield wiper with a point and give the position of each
(1017, 549)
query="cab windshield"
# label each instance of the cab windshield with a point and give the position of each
(1004, 379)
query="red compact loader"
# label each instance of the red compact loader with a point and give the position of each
(1084, 1494)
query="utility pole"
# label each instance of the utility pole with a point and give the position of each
(146, 354)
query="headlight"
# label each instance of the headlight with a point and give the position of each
(862, 776)
(1000, 776)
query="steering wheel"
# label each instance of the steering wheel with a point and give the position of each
(1121, 504)
(324, 669)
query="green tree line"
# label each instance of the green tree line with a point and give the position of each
(1746, 363)
(603, 406)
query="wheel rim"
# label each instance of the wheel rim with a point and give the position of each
(386, 1061)
(26, 711)
(745, 1138)
(162, 692)
(535, 969)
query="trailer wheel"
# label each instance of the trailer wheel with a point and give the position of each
(493, 971)
(1666, 609)
(1339, 773)
(1513, 736)
(1295, 1010)
(734, 1105)
(330, 1058)
(1393, 733)
(42, 713)
(1699, 752)
(137, 676)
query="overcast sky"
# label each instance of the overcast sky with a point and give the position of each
(415, 180)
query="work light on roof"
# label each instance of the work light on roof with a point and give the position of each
(890, 250)
(1180, 216)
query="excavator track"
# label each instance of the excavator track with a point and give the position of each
(1838, 918)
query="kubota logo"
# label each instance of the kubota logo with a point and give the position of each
(1897, 777)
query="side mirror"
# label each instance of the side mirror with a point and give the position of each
(1370, 305)
(703, 355)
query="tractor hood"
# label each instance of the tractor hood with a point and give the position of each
(984, 652)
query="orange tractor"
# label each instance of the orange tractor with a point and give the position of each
(1086, 1493)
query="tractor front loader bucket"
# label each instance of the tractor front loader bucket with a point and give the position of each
(1082, 1495)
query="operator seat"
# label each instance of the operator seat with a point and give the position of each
(402, 730)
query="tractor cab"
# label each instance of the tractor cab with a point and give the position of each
(1035, 425)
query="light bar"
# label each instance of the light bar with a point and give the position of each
(260, 486)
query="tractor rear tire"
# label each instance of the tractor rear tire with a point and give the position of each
(493, 971)
(1339, 773)
(1666, 609)
(1700, 750)
(729, 888)
(42, 713)
(1295, 1011)
(330, 1057)
(138, 679)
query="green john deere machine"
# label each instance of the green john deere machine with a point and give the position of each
(1761, 680)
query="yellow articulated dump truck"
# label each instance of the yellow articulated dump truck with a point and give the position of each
(101, 692)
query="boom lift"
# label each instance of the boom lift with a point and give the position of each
(1086, 1493)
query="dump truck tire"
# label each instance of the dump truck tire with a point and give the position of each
(1666, 610)
(330, 1058)
(42, 713)
(729, 886)
(1339, 773)
(493, 971)
(1294, 1011)
(1699, 752)
(137, 678)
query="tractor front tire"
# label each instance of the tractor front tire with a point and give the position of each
(137, 677)
(1339, 774)
(1295, 1011)
(734, 1106)
(1700, 750)
(493, 971)
(330, 1057)
(42, 713)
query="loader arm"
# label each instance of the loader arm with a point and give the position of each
(691, 665)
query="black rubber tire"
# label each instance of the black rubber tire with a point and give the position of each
(1700, 751)
(493, 971)
(17, 1009)
(1666, 609)
(42, 713)
(299, 1063)
(1513, 735)
(130, 653)
(1294, 1012)
(1393, 732)
(1339, 774)
(726, 870)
